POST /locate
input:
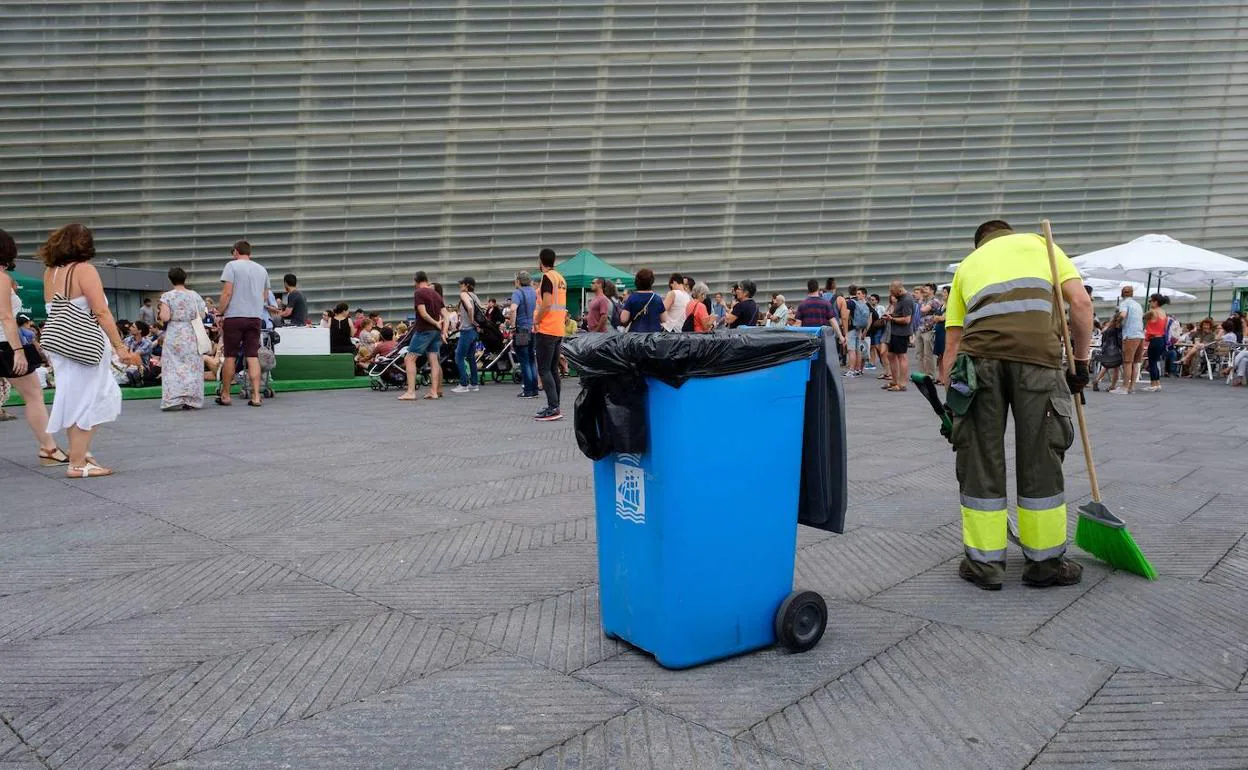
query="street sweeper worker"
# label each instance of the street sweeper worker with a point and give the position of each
(1003, 352)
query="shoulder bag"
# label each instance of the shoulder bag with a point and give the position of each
(203, 342)
(71, 331)
(522, 337)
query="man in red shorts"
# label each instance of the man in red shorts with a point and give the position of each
(244, 286)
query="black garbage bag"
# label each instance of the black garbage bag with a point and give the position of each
(610, 415)
(673, 358)
(824, 492)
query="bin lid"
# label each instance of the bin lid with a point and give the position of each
(674, 357)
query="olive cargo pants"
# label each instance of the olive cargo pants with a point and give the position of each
(1040, 402)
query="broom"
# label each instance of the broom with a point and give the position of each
(1099, 532)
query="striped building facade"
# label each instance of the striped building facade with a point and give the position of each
(355, 141)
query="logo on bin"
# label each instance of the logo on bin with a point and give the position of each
(630, 489)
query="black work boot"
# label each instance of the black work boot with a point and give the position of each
(987, 576)
(1052, 572)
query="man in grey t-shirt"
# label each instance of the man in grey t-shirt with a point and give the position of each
(244, 286)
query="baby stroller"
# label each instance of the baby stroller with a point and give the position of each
(387, 371)
(497, 359)
(268, 362)
(446, 357)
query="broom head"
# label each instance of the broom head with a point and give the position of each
(1105, 536)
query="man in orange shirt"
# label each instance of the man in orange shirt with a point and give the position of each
(548, 323)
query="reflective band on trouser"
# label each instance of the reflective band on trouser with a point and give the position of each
(1042, 526)
(1009, 306)
(984, 528)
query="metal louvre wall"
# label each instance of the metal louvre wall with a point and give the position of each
(355, 142)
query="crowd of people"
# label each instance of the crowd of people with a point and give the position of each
(185, 338)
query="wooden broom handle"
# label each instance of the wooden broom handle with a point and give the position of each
(1059, 304)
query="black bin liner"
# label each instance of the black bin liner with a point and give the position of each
(824, 492)
(611, 409)
(610, 415)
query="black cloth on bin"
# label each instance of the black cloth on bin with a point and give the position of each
(824, 493)
(674, 357)
(610, 415)
(610, 412)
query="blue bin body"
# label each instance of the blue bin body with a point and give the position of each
(697, 536)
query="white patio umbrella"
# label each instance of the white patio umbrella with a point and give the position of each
(1103, 288)
(1159, 256)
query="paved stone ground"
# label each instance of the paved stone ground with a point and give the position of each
(342, 581)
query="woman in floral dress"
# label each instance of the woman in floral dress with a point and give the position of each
(181, 365)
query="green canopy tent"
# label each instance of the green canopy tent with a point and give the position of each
(30, 292)
(580, 272)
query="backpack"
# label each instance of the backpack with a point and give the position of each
(916, 317)
(479, 318)
(614, 316)
(860, 315)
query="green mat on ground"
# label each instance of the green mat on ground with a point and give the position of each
(210, 389)
(333, 366)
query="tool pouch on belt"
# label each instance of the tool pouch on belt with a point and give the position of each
(962, 385)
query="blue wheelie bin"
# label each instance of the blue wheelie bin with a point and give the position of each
(697, 516)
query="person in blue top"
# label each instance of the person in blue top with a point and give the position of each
(523, 303)
(643, 307)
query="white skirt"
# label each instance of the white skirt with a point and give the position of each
(86, 396)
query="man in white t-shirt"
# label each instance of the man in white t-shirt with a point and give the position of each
(1132, 316)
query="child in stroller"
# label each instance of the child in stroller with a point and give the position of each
(497, 358)
(386, 371)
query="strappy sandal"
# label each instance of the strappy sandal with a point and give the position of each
(88, 471)
(254, 403)
(432, 396)
(223, 403)
(54, 457)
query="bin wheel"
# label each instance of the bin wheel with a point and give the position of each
(801, 620)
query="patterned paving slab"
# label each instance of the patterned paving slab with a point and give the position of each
(302, 543)
(476, 590)
(905, 510)
(866, 561)
(103, 529)
(1153, 503)
(548, 509)
(197, 707)
(561, 632)
(646, 738)
(1183, 550)
(84, 604)
(48, 570)
(396, 560)
(1144, 720)
(265, 515)
(494, 712)
(1015, 611)
(733, 694)
(1193, 631)
(58, 665)
(1225, 511)
(496, 494)
(1232, 570)
(945, 697)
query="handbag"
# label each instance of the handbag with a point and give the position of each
(71, 331)
(522, 337)
(33, 359)
(202, 342)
